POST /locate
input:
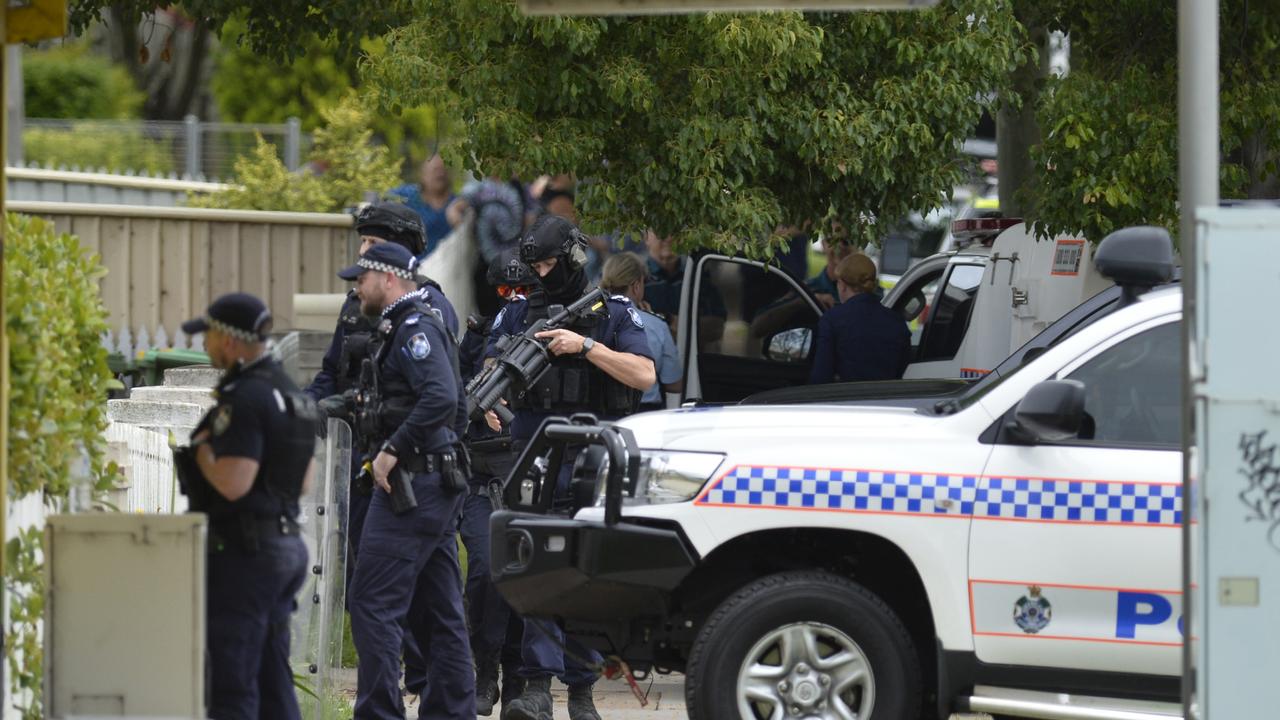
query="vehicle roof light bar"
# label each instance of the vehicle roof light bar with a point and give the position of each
(973, 228)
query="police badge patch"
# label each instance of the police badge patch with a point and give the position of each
(419, 348)
(222, 420)
(1032, 612)
(635, 317)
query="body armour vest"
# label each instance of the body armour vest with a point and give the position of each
(573, 384)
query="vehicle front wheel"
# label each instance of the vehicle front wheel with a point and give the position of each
(804, 644)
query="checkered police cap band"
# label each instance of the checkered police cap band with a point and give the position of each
(384, 267)
(237, 333)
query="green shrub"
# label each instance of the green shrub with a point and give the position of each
(70, 82)
(252, 88)
(91, 151)
(58, 380)
(349, 165)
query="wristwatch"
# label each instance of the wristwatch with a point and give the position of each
(587, 344)
(389, 449)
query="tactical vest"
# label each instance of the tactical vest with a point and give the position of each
(358, 334)
(396, 397)
(358, 330)
(288, 446)
(573, 384)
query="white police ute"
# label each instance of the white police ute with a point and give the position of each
(1014, 549)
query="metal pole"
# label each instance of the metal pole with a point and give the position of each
(292, 142)
(16, 105)
(1197, 187)
(192, 128)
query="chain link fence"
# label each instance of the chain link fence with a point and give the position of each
(189, 149)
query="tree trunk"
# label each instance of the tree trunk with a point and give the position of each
(1017, 129)
(1258, 158)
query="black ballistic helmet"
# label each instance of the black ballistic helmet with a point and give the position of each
(394, 222)
(508, 269)
(553, 236)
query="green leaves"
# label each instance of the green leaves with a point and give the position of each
(58, 379)
(344, 147)
(718, 127)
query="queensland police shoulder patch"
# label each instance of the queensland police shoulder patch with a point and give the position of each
(222, 420)
(497, 320)
(419, 347)
(635, 317)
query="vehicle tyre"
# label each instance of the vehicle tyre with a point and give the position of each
(803, 644)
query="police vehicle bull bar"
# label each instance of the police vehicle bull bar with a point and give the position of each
(546, 563)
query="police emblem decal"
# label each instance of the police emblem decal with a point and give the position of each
(1032, 612)
(419, 348)
(635, 317)
(222, 420)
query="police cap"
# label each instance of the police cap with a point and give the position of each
(508, 269)
(394, 222)
(240, 315)
(383, 257)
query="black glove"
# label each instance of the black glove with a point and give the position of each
(337, 406)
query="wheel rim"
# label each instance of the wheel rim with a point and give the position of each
(806, 670)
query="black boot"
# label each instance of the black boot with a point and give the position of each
(581, 706)
(533, 704)
(486, 687)
(512, 686)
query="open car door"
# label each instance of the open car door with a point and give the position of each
(743, 327)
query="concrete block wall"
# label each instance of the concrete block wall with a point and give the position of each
(143, 430)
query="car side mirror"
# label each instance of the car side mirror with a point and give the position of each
(1052, 411)
(789, 345)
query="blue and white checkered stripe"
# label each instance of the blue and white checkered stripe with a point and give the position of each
(936, 494)
(1080, 501)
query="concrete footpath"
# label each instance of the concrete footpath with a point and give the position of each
(613, 699)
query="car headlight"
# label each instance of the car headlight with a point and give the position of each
(666, 476)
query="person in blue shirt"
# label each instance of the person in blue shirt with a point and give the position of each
(599, 365)
(624, 275)
(823, 285)
(407, 572)
(860, 339)
(431, 200)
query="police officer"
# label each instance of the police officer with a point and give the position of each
(495, 632)
(860, 338)
(600, 366)
(408, 563)
(376, 223)
(250, 459)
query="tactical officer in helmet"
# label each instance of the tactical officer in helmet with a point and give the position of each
(376, 223)
(408, 571)
(601, 366)
(250, 459)
(495, 632)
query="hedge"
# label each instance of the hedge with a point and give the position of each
(58, 379)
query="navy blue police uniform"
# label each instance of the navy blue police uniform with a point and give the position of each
(408, 563)
(340, 372)
(861, 339)
(256, 559)
(621, 329)
(571, 384)
(495, 631)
